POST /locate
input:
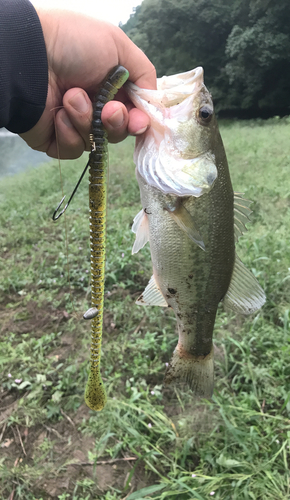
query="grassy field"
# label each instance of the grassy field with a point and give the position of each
(147, 442)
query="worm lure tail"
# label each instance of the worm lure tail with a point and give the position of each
(95, 395)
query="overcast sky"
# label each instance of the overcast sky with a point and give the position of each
(114, 11)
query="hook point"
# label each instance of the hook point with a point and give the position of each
(55, 217)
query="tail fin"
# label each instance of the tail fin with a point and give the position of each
(196, 371)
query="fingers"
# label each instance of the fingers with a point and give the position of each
(73, 124)
(78, 109)
(138, 122)
(115, 119)
(119, 120)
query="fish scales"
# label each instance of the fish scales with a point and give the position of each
(188, 219)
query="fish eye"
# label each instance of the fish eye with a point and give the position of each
(205, 114)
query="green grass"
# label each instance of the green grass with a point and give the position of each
(235, 447)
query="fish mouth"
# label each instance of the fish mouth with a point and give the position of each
(171, 90)
(170, 156)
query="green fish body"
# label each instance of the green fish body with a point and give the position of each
(191, 219)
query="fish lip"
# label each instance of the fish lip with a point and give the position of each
(171, 90)
(180, 79)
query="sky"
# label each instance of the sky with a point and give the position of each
(114, 11)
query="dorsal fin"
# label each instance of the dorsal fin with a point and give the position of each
(241, 214)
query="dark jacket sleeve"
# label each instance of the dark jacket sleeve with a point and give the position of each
(23, 66)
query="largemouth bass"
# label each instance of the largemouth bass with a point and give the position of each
(191, 218)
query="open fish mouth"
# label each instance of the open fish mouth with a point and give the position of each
(173, 155)
(171, 90)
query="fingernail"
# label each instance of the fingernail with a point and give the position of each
(117, 119)
(66, 120)
(79, 103)
(141, 131)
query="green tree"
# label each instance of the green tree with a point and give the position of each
(178, 35)
(258, 64)
(243, 46)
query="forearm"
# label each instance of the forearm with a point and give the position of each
(23, 66)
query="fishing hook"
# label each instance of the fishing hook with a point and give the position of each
(55, 217)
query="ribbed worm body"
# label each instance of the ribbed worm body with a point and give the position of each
(95, 395)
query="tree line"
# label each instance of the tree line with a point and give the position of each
(243, 46)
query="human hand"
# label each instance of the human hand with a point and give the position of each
(80, 51)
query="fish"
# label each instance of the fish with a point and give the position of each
(191, 218)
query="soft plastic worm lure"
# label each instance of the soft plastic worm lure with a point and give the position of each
(95, 395)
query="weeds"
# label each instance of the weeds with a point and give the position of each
(147, 442)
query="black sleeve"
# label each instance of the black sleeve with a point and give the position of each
(23, 66)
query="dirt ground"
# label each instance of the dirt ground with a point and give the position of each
(52, 458)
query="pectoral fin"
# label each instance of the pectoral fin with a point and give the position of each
(244, 295)
(241, 214)
(185, 221)
(152, 295)
(141, 229)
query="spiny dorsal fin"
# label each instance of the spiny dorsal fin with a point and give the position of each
(185, 221)
(244, 295)
(141, 229)
(152, 295)
(241, 214)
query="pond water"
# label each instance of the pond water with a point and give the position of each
(16, 156)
